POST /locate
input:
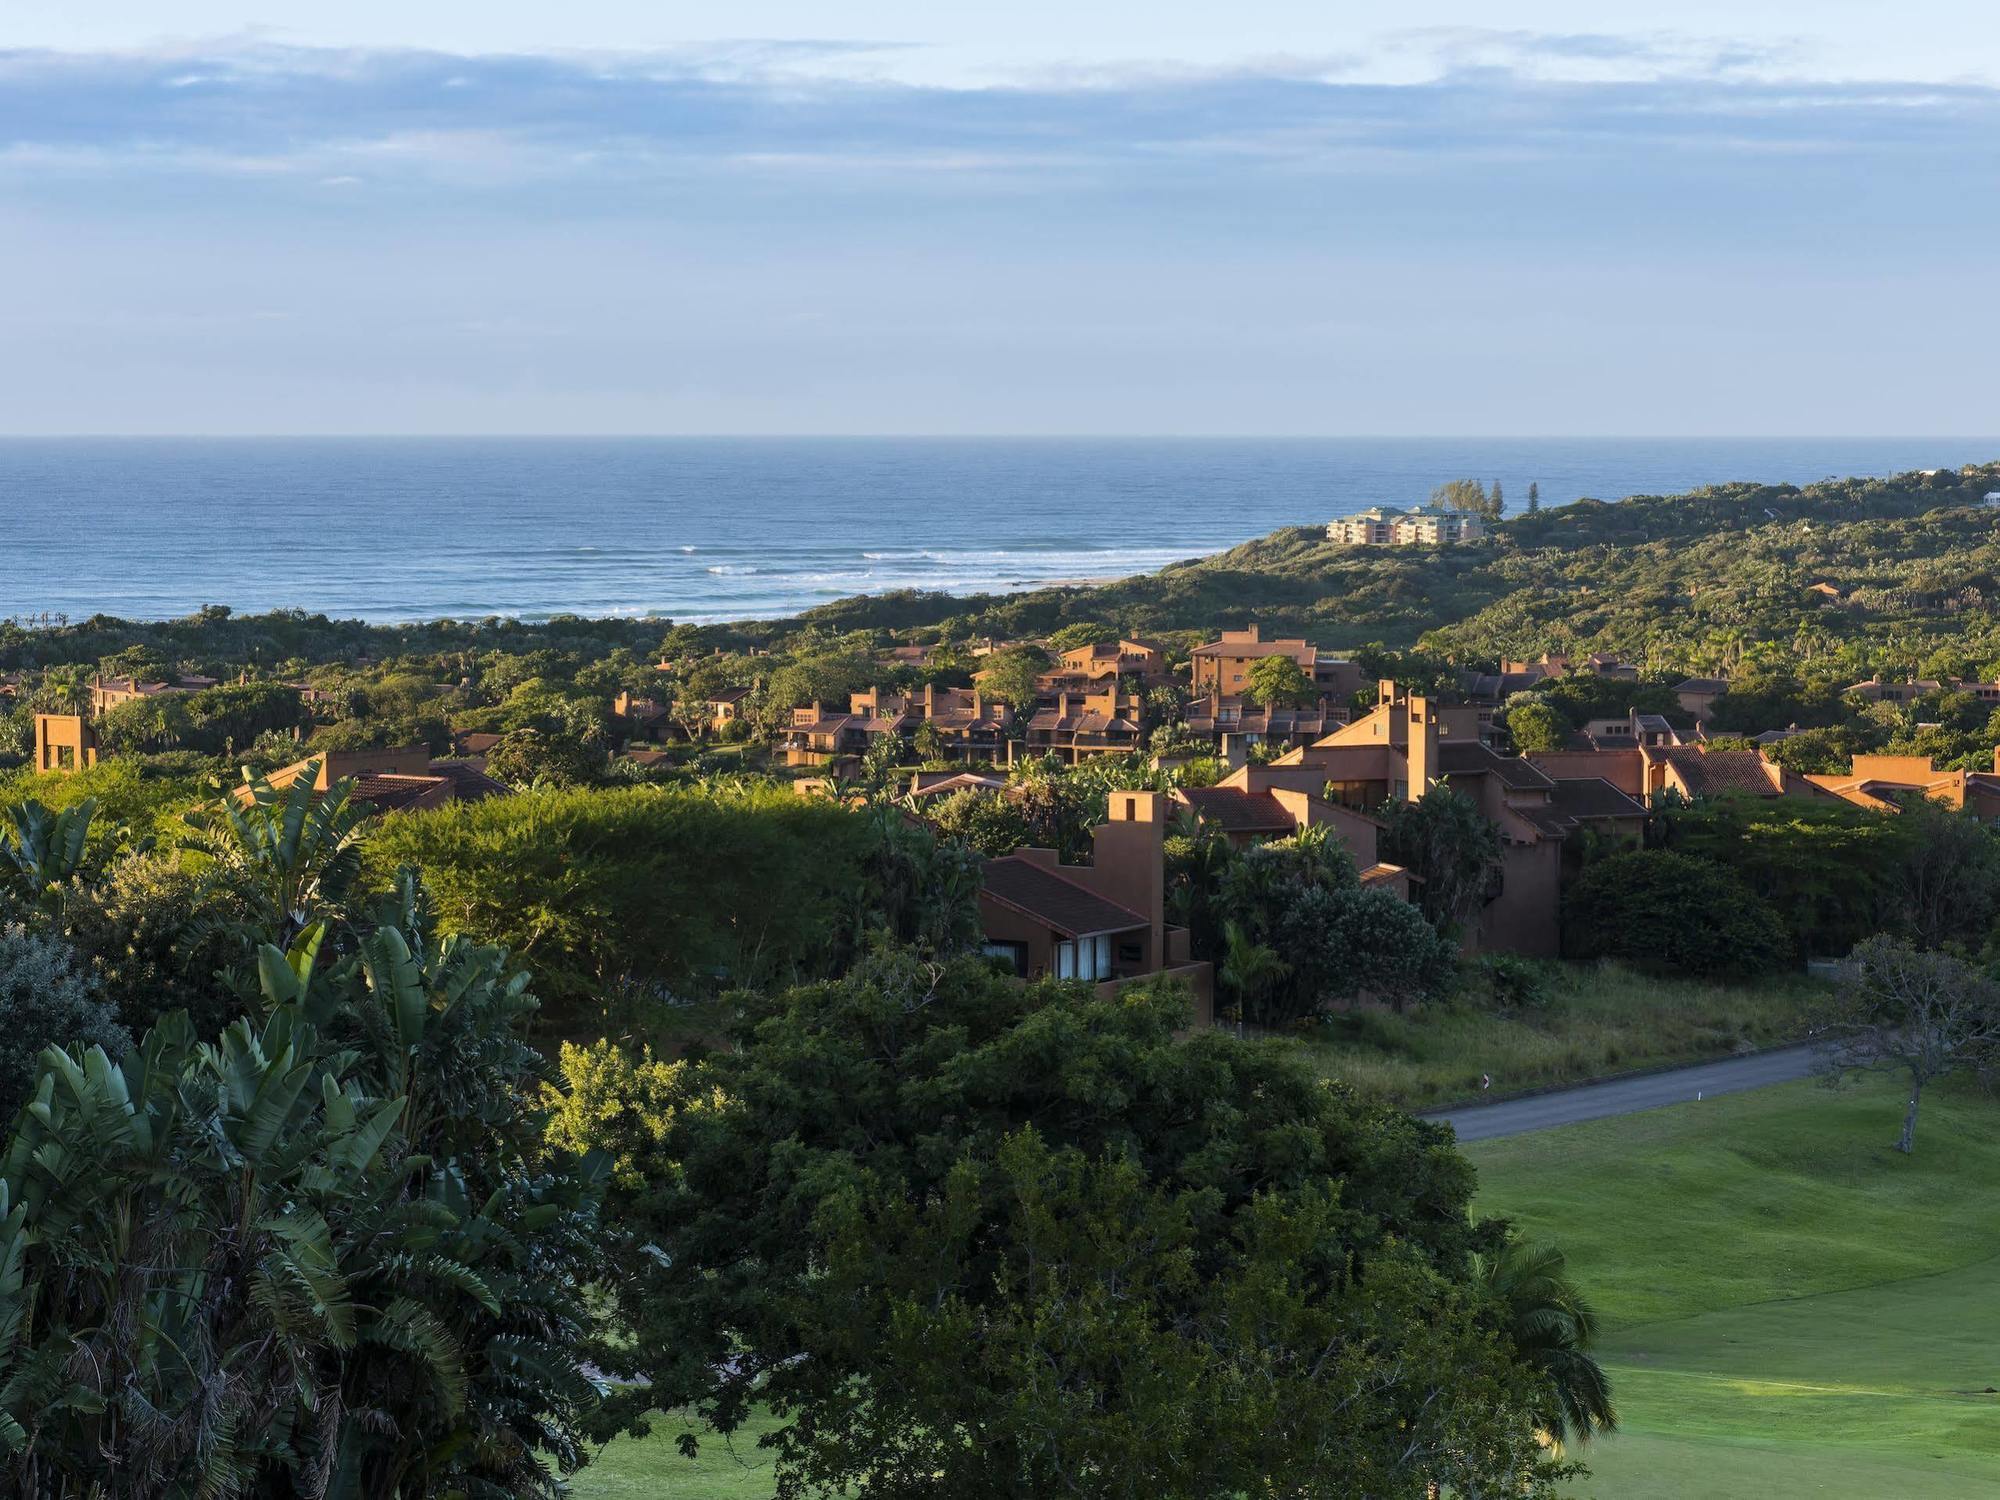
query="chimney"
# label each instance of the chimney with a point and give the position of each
(1422, 749)
(1128, 862)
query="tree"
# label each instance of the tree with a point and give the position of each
(1345, 943)
(1948, 875)
(969, 1237)
(1552, 1326)
(44, 854)
(1466, 495)
(534, 757)
(1534, 724)
(295, 852)
(1248, 970)
(1534, 497)
(1673, 913)
(1279, 682)
(1903, 1010)
(981, 820)
(1009, 675)
(1496, 503)
(1444, 839)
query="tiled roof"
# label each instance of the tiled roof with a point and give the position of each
(729, 695)
(1383, 874)
(1236, 811)
(1463, 758)
(469, 783)
(1702, 685)
(1049, 898)
(1593, 797)
(1708, 773)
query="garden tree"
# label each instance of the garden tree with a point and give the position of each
(1820, 751)
(532, 757)
(929, 743)
(1083, 633)
(1672, 913)
(967, 1237)
(1583, 696)
(1444, 839)
(1467, 495)
(1828, 868)
(1946, 873)
(308, 1258)
(1345, 943)
(1196, 854)
(47, 999)
(827, 677)
(1551, 1325)
(1920, 1014)
(876, 777)
(1249, 971)
(1279, 682)
(1774, 698)
(983, 821)
(1009, 675)
(1533, 723)
(913, 888)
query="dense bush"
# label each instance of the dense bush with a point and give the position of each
(155, 935)
(680, 888)
(47, 999)
(1672, 913)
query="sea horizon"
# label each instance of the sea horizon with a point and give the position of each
(401, 529)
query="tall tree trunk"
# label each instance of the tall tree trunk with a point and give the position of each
(1909, 1141)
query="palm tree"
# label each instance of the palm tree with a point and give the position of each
(1552, 1327)
(1248, 970)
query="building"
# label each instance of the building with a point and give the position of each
(1390, 526)
(647, 718)
(64, 743)
(1633, 729)
(1105, 922)
(401, 779)
(1126, 657)
(726, 706)
(1645, 772)
(1697, 695)
(1082, 726)
(1222, 667)
(1233, 725)
(1886, 782)
(109, 692)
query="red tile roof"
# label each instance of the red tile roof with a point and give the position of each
(1236, 811)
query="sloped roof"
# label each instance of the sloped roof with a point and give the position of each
(1708, 773)
(1464, 758)
(1236, 811)
(1585, 797)
(1037, 891)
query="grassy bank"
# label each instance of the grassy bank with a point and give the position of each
(1598, 1020)
(1792, 1307)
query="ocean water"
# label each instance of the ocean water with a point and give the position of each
(708, 529)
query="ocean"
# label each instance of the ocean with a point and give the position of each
(709, 529)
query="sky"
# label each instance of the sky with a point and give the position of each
(1086, 217)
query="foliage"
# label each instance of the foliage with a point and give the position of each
(675, 888)
(295, 852)
(155, 935)
(981, 820)
(46, 1000)
(615, 1103)
(1923, 1015)
(1134, 1294)
(303, 1259)
(1346, 943)
(1009, 675)
(1552, 1326)
(1444, 840)
(1515, 982)
(1535, 724)
(1279, 682)
(535, 757)
(1672, 912)
(44, 854)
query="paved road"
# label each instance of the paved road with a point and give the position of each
(1625, 1096)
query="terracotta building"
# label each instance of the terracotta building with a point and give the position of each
(1104, 922)
(64, 742)
(1082, 726)
(1222, 667)
(1886, 782)
(391, 780)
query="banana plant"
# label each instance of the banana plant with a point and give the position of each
(299, 848)
(42, 853)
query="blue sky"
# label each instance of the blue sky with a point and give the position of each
(1080, 218)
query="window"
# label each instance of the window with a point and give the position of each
(1013, 955)
(1086, 958)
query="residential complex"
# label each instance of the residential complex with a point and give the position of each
(1389, 526)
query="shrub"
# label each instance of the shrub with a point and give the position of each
(155, 936)
(46, 1000)
(1515, 983)
(1672, 913)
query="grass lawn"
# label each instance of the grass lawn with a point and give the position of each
(650, 1468)
(1792, 1308)
(1601, 1019)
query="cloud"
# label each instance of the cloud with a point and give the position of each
(257, 108)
